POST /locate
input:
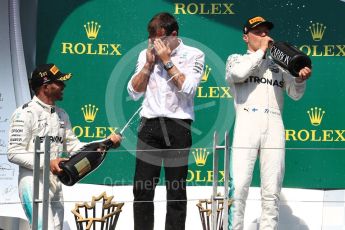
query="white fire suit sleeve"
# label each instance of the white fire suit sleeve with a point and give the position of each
(193, 75)
(294, 89)
(140, 64)
(20, 134)
(240, 67)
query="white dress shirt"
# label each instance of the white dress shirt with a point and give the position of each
(162, 98)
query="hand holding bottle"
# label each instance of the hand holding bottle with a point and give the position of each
(116, 139)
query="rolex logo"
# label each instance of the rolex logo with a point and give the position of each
(89, 112)
(92, 28)
(315, 115)
(206, 74)
(317, 30)
(200, 156)
(212, 91)
(91, 47)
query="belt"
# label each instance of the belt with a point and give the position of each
(155, 119)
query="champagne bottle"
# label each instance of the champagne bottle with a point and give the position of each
(87, 159)
(289, 57)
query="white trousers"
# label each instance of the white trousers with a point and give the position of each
(259, 132)
(55, 209)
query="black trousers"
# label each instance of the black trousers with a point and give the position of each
(161, 141)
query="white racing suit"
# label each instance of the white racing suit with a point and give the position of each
(258, 86)
(36, 119)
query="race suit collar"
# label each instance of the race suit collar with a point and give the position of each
(264, 57)
(46, 107)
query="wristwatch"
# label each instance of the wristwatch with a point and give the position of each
(168, 65)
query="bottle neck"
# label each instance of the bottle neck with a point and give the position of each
(107, 144)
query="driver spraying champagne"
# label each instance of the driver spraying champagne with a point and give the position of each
(36, 119)
(258, 85)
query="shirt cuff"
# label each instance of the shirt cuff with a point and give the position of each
(187, 86)
(134, 94)
(299, 83)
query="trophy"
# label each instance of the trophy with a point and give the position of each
(289, 57)
(87, 159)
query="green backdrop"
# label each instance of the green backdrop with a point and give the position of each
(102, 63)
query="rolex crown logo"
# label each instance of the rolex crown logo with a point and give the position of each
(315, 115)
(206, 74)
(200, 156)
(89, 112)
(92, 28)
(317, 30)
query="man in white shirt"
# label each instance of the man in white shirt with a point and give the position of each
(258, 86)
(167, 75)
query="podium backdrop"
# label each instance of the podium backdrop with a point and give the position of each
(99, 42)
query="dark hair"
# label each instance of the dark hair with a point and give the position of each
(162, 20)
(34, 87)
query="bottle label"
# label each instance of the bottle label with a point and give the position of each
(280, 56)
(83, 166)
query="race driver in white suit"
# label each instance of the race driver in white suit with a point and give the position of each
(258, 86)
(39, 118)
